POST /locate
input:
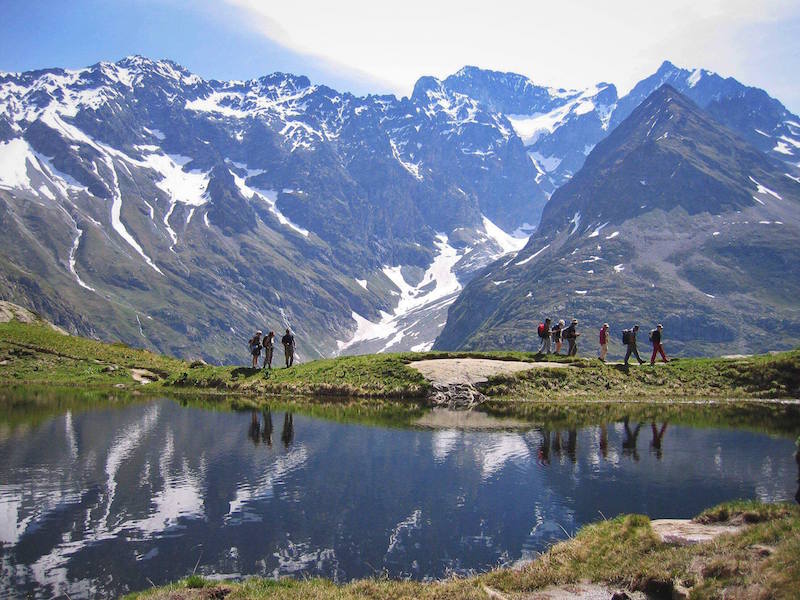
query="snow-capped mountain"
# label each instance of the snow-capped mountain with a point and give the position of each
(143, 203)
(560, 127)
(751, 112)
(674, 218)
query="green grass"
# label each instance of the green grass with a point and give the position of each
(33, 354)
(758, 562)
(763, 376)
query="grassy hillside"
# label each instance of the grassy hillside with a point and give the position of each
(34, 353)
(759, 562)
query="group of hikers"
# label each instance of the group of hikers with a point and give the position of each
(555, 334)
(266, 342)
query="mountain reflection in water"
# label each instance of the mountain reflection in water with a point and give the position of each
(107, 500)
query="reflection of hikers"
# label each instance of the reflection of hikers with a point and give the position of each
(288, 348)
(655, 444)
(629, 339)
(266, 433)
(255, 348)
(287, 435)
(655, 337)
(556, 332)
(603, 342)
(572, 444)
(629, 443)
(544, 335)
(572, 338)
(604, 441)
(544, 448)
(254, 433)
(269, 348)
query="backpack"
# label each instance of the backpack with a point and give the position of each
(541, 330)
(650, 336)
(626, 336)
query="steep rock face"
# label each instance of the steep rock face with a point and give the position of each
(674, 219)
(143, 203)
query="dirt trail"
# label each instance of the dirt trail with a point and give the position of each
(454, 379)
(469, 371)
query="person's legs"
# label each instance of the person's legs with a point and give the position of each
(636, 354)
(286, 354)
(653, 357)
(661, 351)
(558, 347)
(628, 353)
(291, 357)
(603, 351)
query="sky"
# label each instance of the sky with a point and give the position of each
(384, 47)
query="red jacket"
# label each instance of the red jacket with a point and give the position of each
(603, 336)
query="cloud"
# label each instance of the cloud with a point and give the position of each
(571, 44)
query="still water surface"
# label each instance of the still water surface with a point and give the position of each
(116, 499)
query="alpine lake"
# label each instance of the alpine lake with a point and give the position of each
(104, 493)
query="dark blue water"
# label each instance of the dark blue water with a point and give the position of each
(112, 500)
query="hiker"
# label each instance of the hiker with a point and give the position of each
(572, 338)
(629, 339)
(603, 342)
(655, 337)
(544, 335)
(288, 347)
(269, 348)
(255, 347)
(556, 333)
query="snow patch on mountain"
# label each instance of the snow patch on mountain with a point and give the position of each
(14, 157)
(507, 242)
(532, 256)
(439, 284)
(116, 219)
(187, 187)
(270, 197)
(762, 189)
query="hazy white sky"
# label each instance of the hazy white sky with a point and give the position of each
(570, 43)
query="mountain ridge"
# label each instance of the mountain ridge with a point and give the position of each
(673, 218)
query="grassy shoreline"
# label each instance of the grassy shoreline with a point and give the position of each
(34, 354)
(623, 553)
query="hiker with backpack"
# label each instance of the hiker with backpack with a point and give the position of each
(556, 334)
(655, 337)
(288, 347)
(269, 348)
(544, 335)
(571, 336)
(629, 339)
(254, 344)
